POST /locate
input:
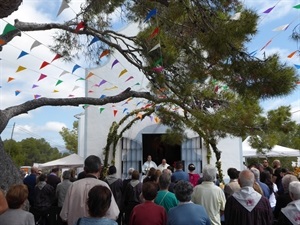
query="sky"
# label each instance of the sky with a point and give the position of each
(46, 122)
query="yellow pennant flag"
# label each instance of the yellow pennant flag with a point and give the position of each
(114, 87)
(123, 72)
(55, 91)
(20, 68)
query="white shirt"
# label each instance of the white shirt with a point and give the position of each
(147, 165)
(161, 167)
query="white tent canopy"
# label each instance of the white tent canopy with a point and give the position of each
(73, 160)
(276, 151)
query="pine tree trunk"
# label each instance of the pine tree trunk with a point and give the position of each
(9, 173)
(7, 7)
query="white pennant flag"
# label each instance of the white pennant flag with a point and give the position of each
(281, 28)
(236, 16)
(155, 47)
(63, 6)
(35, 44)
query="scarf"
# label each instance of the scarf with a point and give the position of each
(292, 212)
(247, 197)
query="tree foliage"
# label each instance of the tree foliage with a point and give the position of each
(31, 150)
(70, 137)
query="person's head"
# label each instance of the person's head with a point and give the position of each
(41, 178)
(135, 175)
(151, 172)
(265, 176)
(39, 172)
(92, 164)
(294, 190)
(98, 202)
(164, 181)
(209, 173)
(66, 175)
(130, 170)
(149, 158)
(34, 170)
(269, 169)
(55, 170)
(112, 170)
(149, 191)
(183, 191)
(167, 171)
(16, 196)
(72, 173)
(256, 173)
(276, 164)
(265, 163)
(286, 180)
(191, 167)
(178, 165)
(246, 178)
(171, 169)
(163, 161)
(233, 173)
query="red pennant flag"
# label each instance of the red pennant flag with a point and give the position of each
(44, 64)
(104, 53)
(56, 57)
(115, 112)
(80, 26)
(154, 33)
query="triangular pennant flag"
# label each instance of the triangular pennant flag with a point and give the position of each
(292, 54)
(123, 72)
(102, 82)
(281, 28)
(298, 82)
(108, 89)
(42, 76)
(63, 72)
(102, 96)
(2, 42)
(71, 96)
(115, 112)
(55, 91)
(56, 57)
(10, 79)
(216, 89)
(90, 91)
(75, 87)
(8, 28)
(266, 45)
(253, 53)
(89, 75)
(124, 110)
(80, 78)
(20, 68)
(155, 47)
(158, 62)
(63, 6)
(58, 82)
(154, 33)
(157, 120)
(23, 53)
(158, 69)
(75, 68)
(269, 10)
(17, 92)
(137, 84)
(139, 115)
(153, 12)
(236, 16)
(101, 109)
(104, 53)
(35, 44)
(129, 78)
(34, 86)
(95, 39)
(37, 96)
(80, 26)
(297, 66)
(114, 63)
(44, 64)
(296, 6)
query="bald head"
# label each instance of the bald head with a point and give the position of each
(246, 178)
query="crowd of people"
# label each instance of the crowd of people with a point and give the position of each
(160, 195)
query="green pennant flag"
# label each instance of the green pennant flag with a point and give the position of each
(8, 28)
(101, 109)
(58, 82)
(296, 6)
(158, 62)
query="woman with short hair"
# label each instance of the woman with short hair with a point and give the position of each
(15, 215)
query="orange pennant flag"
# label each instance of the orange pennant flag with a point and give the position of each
(20, 68)
(89, 75)
(2, 42)
(44, 64)
(292, 54)
(104, 53)
(157, 120)
(10, 79)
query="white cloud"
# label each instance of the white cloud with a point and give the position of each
(52, 126)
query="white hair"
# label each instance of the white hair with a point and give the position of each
(294, 189)
(209, 173)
